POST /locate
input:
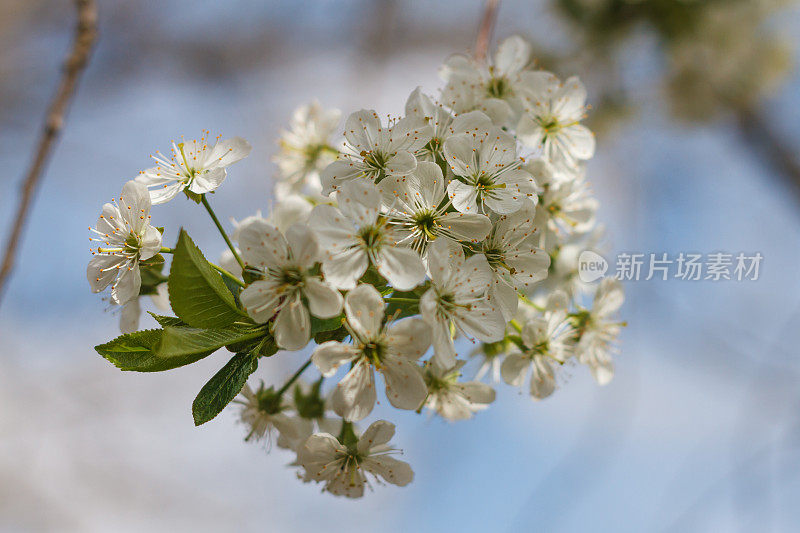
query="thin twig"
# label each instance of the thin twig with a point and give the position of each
(485, 29)
(85, 36)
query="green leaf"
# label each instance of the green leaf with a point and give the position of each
(184, 345)
(372, 277)
(319, 325)
(264, 346)
(328, 329)
(408, 306)
(158, 350)
(150, 272)
(223, 387)
(196, 291)
(165, 321)
(132, 351)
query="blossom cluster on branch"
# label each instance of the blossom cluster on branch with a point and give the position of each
(461, 219)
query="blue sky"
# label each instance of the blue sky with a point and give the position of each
(697, 431)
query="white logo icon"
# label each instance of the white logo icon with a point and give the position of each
(591, 266)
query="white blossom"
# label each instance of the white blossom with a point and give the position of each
(262, 411)
(285, 265)
(491, 88)
(487, 173)
(306, 148)
(193, 165)
(598, 329)
(126, 238)
(567, 207)
(457, 298)
(310, 414)
(547, 339)
(355, 235)
(392, 349)
(290, 210)
(419, 208)
(374, 151)
(517, 264)
(343, 468)
(453, 399)
(552, 116)
(443, 124)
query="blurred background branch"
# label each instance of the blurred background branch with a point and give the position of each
(85, 35)
(485, 29)
(667, 80)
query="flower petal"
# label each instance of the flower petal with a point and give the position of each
(102, 271)
(405, 386)
(302, 245)
(409, 338)
(466, 226)
(330, 355)
(260, 299)
(364, 307)
(208, 181)
(361, 130)
(379, 432)
(333, 230)
(323, 300)
(393, 471)
(354, 396)
(464, 197)
(409, 134)
(343, 269)
(227, 152)
(513, 55)
(127, 285)
(543, 380)
(261, 244)
(513, 369)
(337, 173)
(293, 325)
(360, 201)
(401, 266)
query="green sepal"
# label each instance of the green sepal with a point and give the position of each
(196, 291)
(193, 196)
(311, 405)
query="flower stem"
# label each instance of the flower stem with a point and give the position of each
(528, 301)
(515, 325)
(165, 250)
(228, 275)
(221, 230)
(408, 300)
(294, 377)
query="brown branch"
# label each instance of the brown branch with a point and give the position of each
(485, 29)
(761, 136)
(85, 35)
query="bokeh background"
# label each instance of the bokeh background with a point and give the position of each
(696, 112)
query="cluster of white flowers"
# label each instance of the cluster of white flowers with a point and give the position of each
(384, 251)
